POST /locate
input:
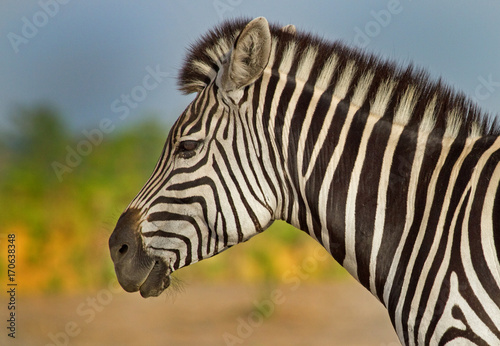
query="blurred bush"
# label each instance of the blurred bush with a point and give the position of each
(62, 224)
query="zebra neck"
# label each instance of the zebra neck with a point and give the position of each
(354, 180)
(333, 162)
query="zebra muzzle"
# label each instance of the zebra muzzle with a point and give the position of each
(135, 269)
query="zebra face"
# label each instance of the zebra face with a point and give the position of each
(209, 190)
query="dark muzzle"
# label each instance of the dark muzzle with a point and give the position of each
(135, 269)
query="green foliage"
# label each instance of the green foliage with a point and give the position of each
(63, 225)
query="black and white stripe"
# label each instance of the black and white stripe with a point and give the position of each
(395, 175)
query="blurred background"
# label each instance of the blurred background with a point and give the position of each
(79, 136)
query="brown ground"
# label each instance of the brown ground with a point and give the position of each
(341, 313)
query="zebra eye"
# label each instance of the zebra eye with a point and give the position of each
(186, 148)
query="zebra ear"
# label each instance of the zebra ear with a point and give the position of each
(290, 28)
(249, 56)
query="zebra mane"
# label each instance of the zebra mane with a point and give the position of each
(404, 95)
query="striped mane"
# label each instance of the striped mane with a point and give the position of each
(346, 73)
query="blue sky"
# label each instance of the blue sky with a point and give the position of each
(82, 56)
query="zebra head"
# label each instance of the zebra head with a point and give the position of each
(210, 189)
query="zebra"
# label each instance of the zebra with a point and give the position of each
(395, 174)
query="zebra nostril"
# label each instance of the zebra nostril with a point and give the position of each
(123, 250)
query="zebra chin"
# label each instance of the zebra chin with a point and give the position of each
(156, 282)
(135, 269)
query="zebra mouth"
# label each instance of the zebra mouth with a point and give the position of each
(157, 280)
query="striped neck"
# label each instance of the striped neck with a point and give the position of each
(354, 171)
